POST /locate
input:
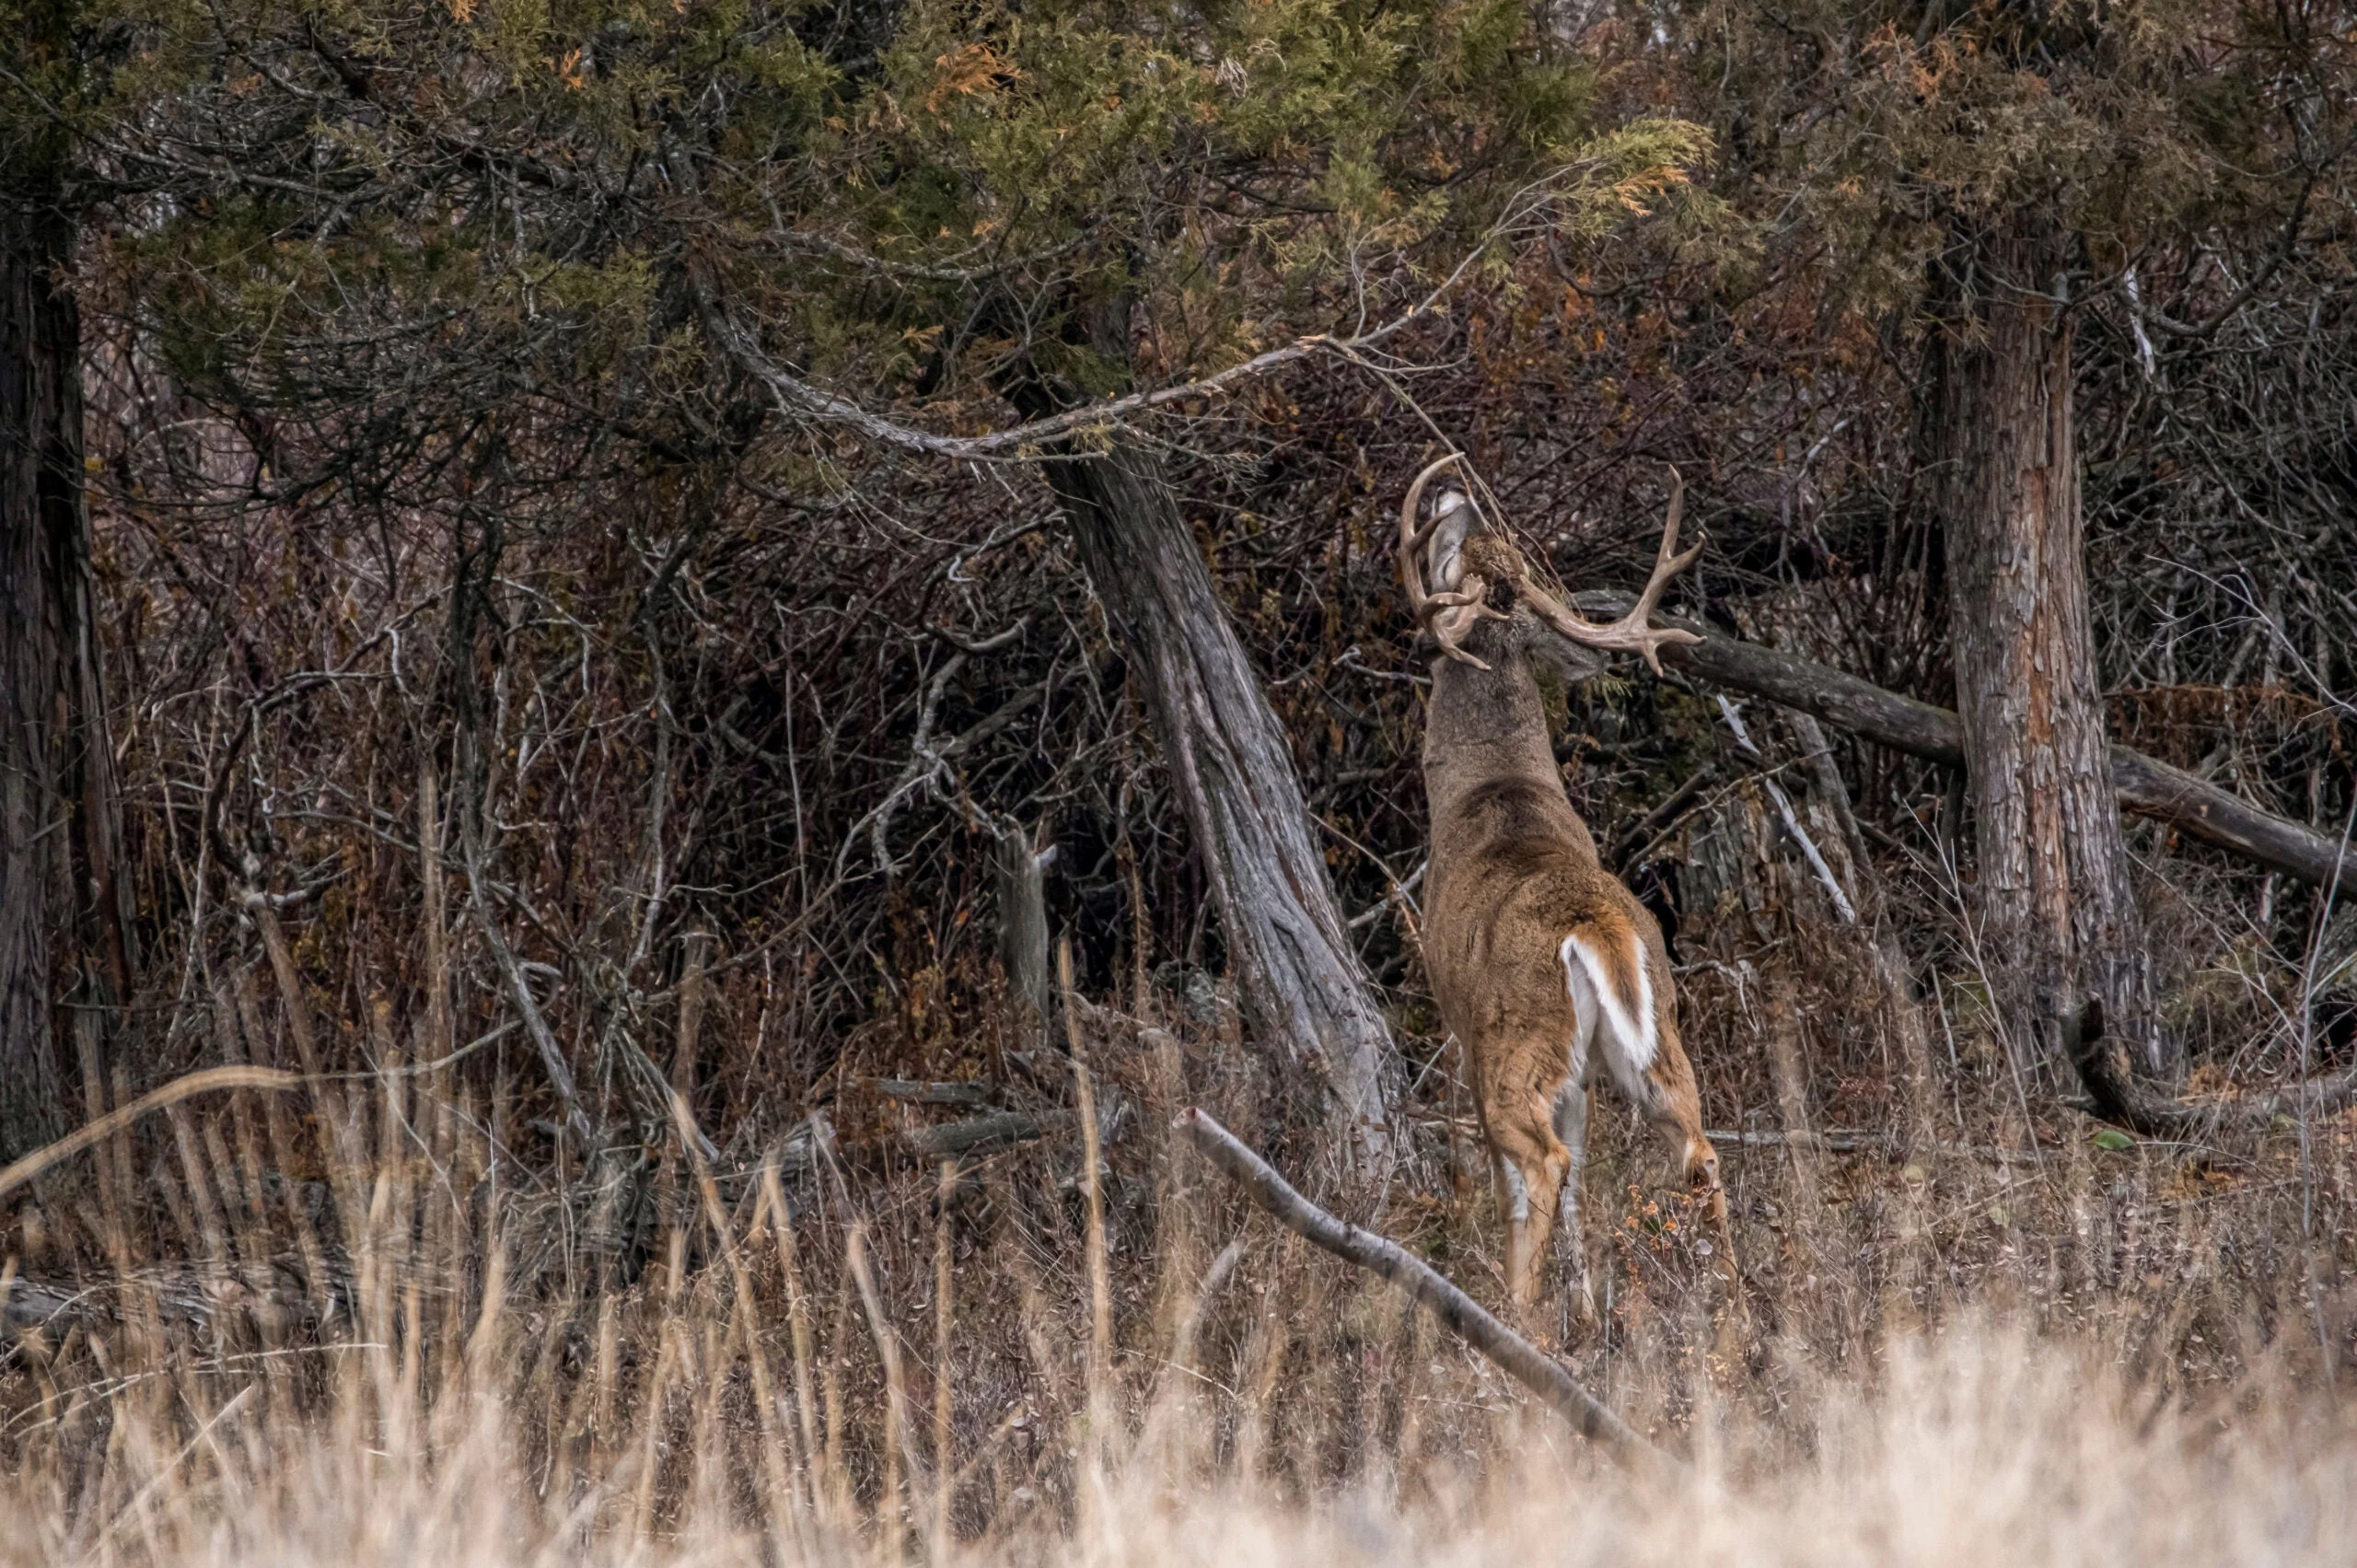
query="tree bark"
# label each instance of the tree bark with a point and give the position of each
(2058, 917)
(1303, 993)
(58, 827)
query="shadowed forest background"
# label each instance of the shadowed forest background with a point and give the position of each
(607, 584)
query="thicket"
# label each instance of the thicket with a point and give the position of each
(579, 602)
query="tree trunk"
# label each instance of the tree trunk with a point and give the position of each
(65, 930)
(39, 435)
(1303, 990)
(2058, 918)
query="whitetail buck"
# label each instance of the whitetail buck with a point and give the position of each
(1545, 967)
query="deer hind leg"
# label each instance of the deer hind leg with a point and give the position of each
(1571, 1243)
(1677, 1109)
(1532, 1163)
(1636, 1033)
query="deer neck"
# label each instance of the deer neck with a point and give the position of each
(1483, 725)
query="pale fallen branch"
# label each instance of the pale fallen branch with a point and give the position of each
(1458, 1313)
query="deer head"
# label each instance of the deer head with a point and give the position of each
(1461, 571)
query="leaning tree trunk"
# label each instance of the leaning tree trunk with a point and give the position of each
(58, 893)
(2058, 923)
(1303, 991)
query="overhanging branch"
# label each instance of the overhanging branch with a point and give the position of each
(2194, 807)
(798, 398)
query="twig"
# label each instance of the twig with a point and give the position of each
(560, 1072)
(1457, 1312)
(1645, 835)
(1791, 819)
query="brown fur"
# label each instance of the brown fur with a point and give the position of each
(1514, 872)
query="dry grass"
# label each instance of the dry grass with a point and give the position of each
(2053, 1353)
(1972, 1446)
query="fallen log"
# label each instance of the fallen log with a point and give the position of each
(1459, 1313)
(979, 1133)
(2146, 786)
(919, 1092)
(200, 1297)
(1893, 1146)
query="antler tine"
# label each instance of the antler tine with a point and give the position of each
(1667, 563)
(1633, 631)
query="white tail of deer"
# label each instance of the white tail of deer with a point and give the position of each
(1548, 971)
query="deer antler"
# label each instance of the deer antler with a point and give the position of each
(1449, 614)
(1632, 631)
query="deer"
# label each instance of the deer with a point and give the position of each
(1546, 970)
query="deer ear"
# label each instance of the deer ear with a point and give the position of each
(1455, 521)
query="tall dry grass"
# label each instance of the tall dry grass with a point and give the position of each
(1976, 1447)
(352, 1329)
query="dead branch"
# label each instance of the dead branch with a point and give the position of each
(2149, 787)
(917, 1092)
(979, 1133)
(577, 1119)
(1890, 1145)
(1457, 1312)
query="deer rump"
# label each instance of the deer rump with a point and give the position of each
(1565, 991)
